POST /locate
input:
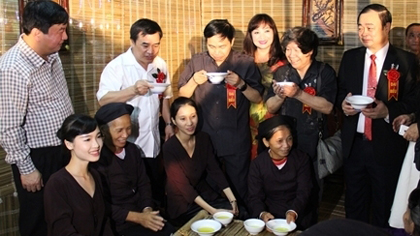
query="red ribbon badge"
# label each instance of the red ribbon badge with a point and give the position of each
(310, 91)
(393, 76)
(274, 67)
(231, 96)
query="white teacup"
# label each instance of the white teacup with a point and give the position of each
(285, 83)
(216, 77)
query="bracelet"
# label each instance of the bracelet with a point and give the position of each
(232, 201)
(151, 209)
(168, 123)
(261, 214)
(194, 80)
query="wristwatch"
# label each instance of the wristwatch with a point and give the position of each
(243, 87)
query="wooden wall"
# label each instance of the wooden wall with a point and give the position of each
(99, 31)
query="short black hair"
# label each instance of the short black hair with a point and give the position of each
(409, 26)
(384, 15)
(305, 38)
(144, 26)
(219, 26)
(74, 125)
(42, 15)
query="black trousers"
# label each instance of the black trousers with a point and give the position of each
(236, 167)
(370, 187)
(157, 176)
(47, 160)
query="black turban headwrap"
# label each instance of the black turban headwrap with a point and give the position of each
(112, 111)
(268, 125)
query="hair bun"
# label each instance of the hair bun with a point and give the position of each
(60, 134)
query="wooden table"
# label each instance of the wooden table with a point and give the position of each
(236, 227)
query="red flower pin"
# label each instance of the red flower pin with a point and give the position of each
(310, 91)
(159, 76)
(393, 75)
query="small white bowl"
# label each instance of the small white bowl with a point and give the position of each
(223, 217)
(158, 88)
(285, 83)
(280, 226)
(216, 77)
(254, 226)
(206, 227)
(359, 101)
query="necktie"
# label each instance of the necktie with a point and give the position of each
(371, 89)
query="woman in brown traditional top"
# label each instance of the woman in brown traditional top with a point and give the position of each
(74, 203)
(192, 169)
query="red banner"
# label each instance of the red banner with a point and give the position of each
(310, 91)
(231, 96)
(393, 76)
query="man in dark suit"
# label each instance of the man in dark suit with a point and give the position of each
(373, 151)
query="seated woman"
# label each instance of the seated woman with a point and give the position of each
(411, 217)
(73, 198)
(190, 164)
(123, 173)
(279, 180)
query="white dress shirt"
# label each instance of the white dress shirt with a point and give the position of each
(123, 72)
(380, 58)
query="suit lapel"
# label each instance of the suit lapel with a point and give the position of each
(360, 64)
(382, 88)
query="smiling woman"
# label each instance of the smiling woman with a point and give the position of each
(279, 181)
(189, 164)
(122, 169)
(73, 195)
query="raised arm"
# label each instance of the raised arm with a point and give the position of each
(111, 83)
(198, 78)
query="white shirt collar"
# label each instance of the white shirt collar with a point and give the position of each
(380, 54)
(121, 155)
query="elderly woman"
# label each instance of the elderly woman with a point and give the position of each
(73, 195)
(192, 168)
(303, 100)
(122, 170)
(280, 178)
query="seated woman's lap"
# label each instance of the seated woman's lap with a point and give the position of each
(219, 203)
(137, 230)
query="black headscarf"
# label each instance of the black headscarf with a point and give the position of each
(266, 127)
(112, 111)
